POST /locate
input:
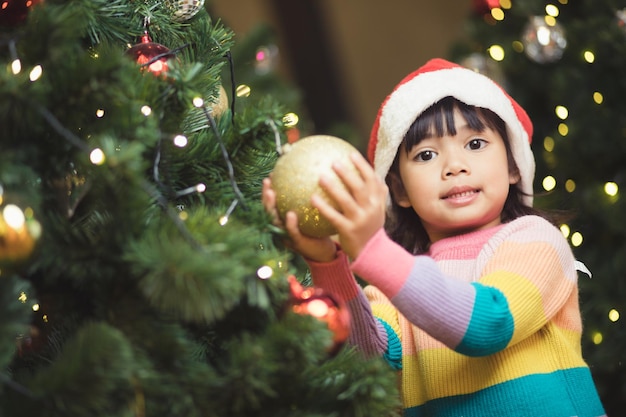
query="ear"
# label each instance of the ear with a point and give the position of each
(398, 193)
(514, 177)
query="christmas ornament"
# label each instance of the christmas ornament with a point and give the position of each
(219, 104)
(184, 9)
(485, 6)
(543, 43)
(19, 232)
(316, 302)
(14, 12)
(150, 55)
(296, 175)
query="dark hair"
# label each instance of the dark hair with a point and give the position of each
(404, 225)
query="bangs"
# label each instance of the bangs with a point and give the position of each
(438, 121)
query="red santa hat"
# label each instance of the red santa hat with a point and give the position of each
(435, 80)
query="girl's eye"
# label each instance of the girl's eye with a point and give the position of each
(425, 156)
(476, 144)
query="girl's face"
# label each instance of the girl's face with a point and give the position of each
(456, 184)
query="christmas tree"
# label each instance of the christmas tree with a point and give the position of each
(564, 61)
(139, 273)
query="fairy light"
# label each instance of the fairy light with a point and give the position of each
(290, 119)
(97, 157)
(265, 272)
(180, 141)
(497, 13)
(198, 102)
(548, 183)
(561, 112)
(598, 98)
(496, 52)
(16, 66)
(146, 110)
(577, 239)
(611, 189)
(565, 230)
(552, 10)
(505, 4)
(517, 46)
(570, 185)
(13, 216)
(224, 219)
(596, 338)
(35, 307)
(36, 73)
(548, 144)
(550, 21)
(23, 297)
(589, 56)
(198, 188)
(243, 91)
(613, 315)
(563, 129)
(100, 113)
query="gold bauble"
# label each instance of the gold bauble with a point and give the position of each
(19, 233)
(296, 175)
(219, 104)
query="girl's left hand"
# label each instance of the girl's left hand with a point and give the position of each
(362, 204)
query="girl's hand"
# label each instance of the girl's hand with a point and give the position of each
(315, 249)
(362, 204)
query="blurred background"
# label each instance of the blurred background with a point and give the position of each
(347, 55)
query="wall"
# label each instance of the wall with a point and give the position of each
(374, 43)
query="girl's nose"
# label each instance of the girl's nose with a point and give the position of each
(455, 164)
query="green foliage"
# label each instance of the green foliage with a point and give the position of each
(139, 299)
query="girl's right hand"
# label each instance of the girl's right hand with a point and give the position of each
(314, 249)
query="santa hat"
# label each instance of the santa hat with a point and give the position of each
(427, 85)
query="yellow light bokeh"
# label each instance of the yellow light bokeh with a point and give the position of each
(570, 186)
(549, 183)
(505, 4)
(613, 315)
(552, 10)
(597, 338)
(496, 52)
(563, 129)
(497, 13)
(565, 230)
(548, 144)
(517, 46)
(611, 188)
(550, 20)
(243, 91)
(577, 239)
(589, 56)
(598, 97)
(561, 112)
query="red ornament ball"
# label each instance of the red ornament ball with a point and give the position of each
(152, 56)
(316, 302)
(14, 12)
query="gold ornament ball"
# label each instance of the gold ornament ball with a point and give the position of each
(296, 176)
(19, 233)
(219, 104)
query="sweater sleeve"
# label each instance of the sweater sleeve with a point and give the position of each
(366, 332)
(528, 276)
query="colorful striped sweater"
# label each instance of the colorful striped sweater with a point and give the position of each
(486, 324)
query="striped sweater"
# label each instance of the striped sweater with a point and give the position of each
(485, 324)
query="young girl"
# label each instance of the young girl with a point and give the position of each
(473, 296)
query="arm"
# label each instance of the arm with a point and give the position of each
(367, 333)
(527, 280)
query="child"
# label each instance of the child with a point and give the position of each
(473, 296)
